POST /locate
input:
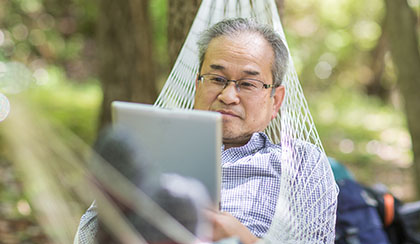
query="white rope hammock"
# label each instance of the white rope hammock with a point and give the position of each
(296, 219)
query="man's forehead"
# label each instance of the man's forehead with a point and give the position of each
(244, 48)
(245, 38)
(221, 68)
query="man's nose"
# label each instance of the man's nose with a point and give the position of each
(229, 95)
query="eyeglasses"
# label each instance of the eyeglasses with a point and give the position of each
(245, 85)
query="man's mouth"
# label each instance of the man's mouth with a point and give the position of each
(228, 113)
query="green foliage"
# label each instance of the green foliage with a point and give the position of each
(333, 44)
(75, 106)
(40, 33)
(18, 221)
(158, 16)
(54, 40)
(331, 41)
(361, 131)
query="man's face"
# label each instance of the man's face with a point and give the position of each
(247, 55)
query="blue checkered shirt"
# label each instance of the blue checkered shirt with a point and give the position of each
(251, 183)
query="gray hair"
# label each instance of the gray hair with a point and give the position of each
(230, 27)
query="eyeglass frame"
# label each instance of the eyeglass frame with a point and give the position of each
(227, 81)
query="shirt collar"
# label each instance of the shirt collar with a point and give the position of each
(258, 141)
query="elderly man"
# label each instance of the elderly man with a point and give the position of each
(242, 64)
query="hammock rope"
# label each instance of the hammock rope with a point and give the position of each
(296, 220)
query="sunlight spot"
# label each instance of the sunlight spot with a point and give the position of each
(1, 37)
(23, 207)
(323, 70)
(4, 107)
(387, 152)
(390, 135)
(20, 32)
(367, 30)
(306, 26)
(329, 58)
(372, 146)
(337, 40)
(37, 64)
(414, 3)
(14, 77)
(366, 33)
(374, 122)
(346, 146)
(41, 76)
(30, 6)
(404, 140)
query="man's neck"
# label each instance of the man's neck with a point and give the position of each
(236, 142)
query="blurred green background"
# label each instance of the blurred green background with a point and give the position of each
(338, 47)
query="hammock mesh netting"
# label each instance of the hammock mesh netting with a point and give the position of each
(298, 218)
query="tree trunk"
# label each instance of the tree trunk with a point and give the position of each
(401, 30)
(375, 85)
(280, 8)
(181, 15)
(125, 51)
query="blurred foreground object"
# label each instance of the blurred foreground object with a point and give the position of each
(56, 171)
(182, 198)
(4, 107)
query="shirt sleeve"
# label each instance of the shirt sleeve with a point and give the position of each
(88, 227)
(306, 209)
(324, 193)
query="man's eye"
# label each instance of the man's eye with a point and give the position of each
(218, 80)
(248, 84)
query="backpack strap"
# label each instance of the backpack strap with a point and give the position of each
(389, 209)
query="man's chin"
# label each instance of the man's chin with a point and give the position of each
(235, 138)
(229, 134)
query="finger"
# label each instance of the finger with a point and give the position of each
(226, 214)
(210, 215)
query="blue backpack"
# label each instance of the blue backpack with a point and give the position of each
(358, 221)
(367, 215)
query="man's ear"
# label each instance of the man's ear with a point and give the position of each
(277, 100)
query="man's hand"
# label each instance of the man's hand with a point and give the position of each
(225, 226)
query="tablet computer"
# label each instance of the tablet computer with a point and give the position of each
(181, 141)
